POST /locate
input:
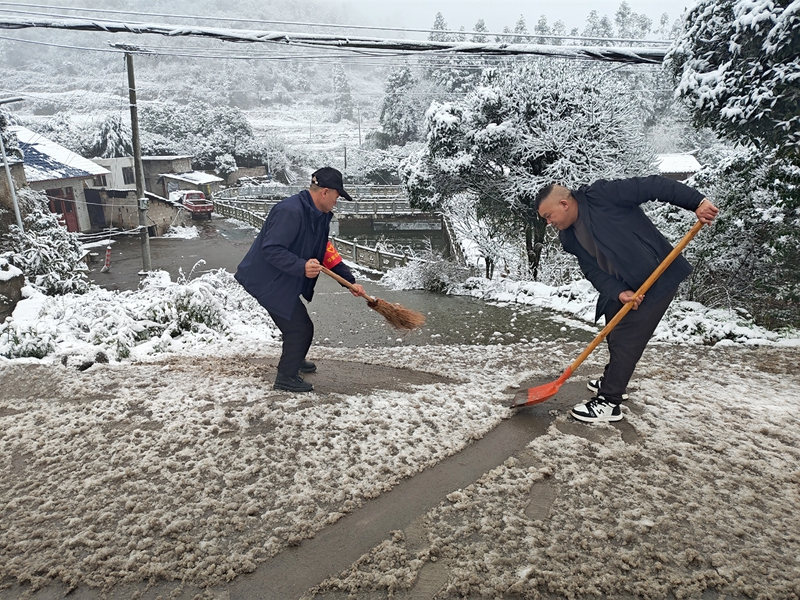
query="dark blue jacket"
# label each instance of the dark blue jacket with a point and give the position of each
(627, 237)
(274, 269)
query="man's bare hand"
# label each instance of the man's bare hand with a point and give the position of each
(706, 212)
(312, 268)
(629, 295)
(358, 290)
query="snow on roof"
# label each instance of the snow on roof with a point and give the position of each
(47, 161)
(194, 177)
(677, 163)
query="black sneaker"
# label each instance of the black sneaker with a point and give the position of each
(596, 410)
(594, 387)
(307, 367)
(291, 384)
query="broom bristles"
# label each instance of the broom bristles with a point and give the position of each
(397, 316)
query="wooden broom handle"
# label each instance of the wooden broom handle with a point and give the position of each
(343, 281)
(642, 289)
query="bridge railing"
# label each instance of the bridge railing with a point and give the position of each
(279, 192)
(372, 258)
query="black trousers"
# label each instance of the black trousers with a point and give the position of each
(297, 335)
(627, 341)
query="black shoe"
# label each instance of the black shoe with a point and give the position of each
(291, 384)
(307, 367)
(596, 410)
(594, 387)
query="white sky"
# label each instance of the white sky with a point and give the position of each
(496, 14)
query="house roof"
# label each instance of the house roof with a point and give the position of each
(677, 163)
(194, 177)
(47, 161)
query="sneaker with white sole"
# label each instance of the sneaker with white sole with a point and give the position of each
(596, 410)
(594, 387)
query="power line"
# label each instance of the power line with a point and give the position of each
(602, 53)
(512, 35)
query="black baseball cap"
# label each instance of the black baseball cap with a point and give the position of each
(328, 177)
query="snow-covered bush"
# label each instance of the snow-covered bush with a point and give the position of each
(434, 274)
(224, 165)
(160, 316)
(49, 256)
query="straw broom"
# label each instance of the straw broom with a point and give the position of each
(396, 315)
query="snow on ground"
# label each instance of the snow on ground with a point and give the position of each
(685, 322)
(187, 233)
(148, 443)
(696, 491)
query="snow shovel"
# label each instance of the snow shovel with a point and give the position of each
(541, 393)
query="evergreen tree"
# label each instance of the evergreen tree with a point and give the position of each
(342, 101)
(737, 65)
(542, 29)
(480, 29)
(559, 29)
(521, 29)
(439, 27)
(112, 140)
(597, 27)
(401, 113)
(630, 24)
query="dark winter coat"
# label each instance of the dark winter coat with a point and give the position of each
(274, 269)
(627, 237)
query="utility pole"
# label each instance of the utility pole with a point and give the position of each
(358, 106)
(8, 172)
(137, 157)
(345, 157)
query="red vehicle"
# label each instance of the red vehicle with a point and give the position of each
(197, 204)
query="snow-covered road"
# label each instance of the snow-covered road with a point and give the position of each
(190, 468)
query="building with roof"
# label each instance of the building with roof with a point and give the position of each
(677, 166)
(64, 176)
(192, 180)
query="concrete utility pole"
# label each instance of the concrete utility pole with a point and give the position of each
(137, 164)
(8, 172)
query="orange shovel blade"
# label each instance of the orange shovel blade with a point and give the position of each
(541, 393)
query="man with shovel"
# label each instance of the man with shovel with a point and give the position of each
(618, 247)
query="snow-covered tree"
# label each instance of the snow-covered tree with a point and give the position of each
(630, 24)
(113, 139)
(598, 27)
(401, 113)
(439, 28)
(737, 64)
(751, 257)
(48, 255)
(224, 165)
(342, 101)
(542, 29)
(540, 122)
(521, 29)
(9, 140)
(479, 36)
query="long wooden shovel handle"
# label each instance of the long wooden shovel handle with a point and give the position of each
(344, 282)
(644, 287)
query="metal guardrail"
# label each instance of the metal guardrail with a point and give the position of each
(372, 258)
(284, 191)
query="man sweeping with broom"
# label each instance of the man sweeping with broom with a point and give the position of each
(618, 247)
(283, 264)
